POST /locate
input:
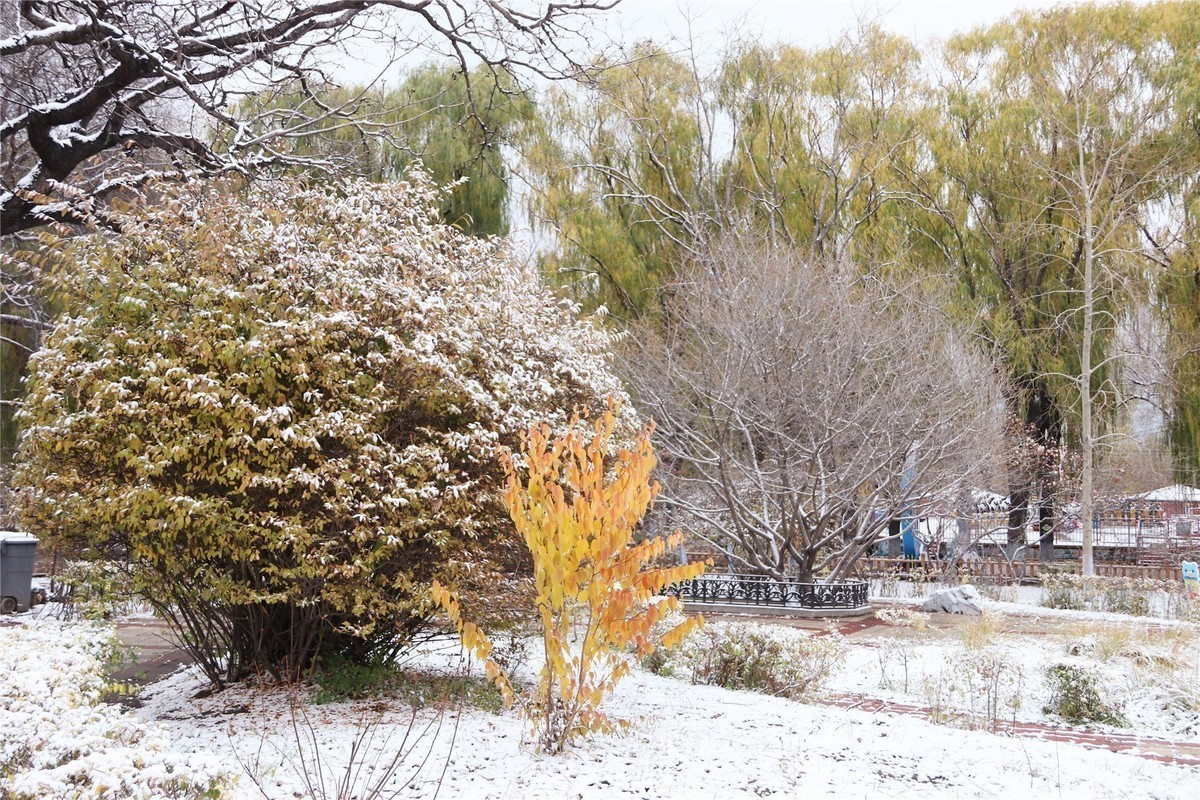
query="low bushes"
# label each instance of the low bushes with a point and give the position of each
(61, 740)
(778, 661)
(975, 689)
(1131, 596)
(1075, 697)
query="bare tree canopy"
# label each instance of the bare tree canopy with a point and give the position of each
(102, 95)
(799, 413)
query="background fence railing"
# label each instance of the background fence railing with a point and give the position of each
(758, 590)
(996, 570)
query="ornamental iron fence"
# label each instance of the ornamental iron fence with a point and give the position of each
(759, 590)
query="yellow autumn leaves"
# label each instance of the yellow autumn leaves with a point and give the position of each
(577, 509)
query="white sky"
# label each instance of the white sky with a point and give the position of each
(809, 23)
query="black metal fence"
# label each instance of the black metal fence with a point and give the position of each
(757, 590)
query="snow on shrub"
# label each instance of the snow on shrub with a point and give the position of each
(284, 406)
(1075, 696)
(768, 659)
(60, 740)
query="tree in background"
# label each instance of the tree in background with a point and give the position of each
(280, 408)
(1052, 152)
(1174, 239)
(664, 153)
(1110, 104)
(935, 174)
(455, 128)
(800, 411)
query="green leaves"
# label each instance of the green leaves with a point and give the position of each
(266, 465)
(428, 121)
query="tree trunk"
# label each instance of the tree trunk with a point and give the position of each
(1018, 516)
(1085, 376)
(1046, 529)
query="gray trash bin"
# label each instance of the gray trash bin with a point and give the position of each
(17, 553)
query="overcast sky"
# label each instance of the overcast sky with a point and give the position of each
(809, 23)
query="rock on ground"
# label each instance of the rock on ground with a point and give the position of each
(963, 599)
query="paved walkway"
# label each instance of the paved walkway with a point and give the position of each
(155, 653)
(1150, 747)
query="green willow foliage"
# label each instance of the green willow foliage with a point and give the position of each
(946, 174)
(659, 156)
(281, 409)
(432, 118)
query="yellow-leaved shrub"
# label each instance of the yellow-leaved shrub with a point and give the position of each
(279, 408)
(578, 510)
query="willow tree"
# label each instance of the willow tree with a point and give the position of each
(816, 137)
(619, 170)
(636, 174)
(1180, 303)
(1102, 94)
(455, 127)
(1035, 121)
(1175, 248)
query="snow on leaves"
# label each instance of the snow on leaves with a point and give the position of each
(296, 394)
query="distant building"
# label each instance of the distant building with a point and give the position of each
(1173, 501)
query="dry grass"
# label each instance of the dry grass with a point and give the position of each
(983, 630)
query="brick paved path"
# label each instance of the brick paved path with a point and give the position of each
(1150, 747)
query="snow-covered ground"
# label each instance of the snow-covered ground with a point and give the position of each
(59, 740)
(683, 741)
(1149, 673)
(1025, 599)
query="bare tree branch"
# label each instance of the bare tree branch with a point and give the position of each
(798, 414)
(92, 91)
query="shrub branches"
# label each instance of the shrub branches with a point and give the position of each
(577, 510)
(282, 407)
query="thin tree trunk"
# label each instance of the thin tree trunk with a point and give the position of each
(1085, 376)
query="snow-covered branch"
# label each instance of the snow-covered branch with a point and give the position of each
(92, 91)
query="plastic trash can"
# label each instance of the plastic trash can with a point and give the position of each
(17, 553)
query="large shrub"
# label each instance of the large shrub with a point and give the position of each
(283, 407)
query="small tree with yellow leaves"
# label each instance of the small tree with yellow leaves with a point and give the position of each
(577, 510)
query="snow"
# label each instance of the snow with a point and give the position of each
(1177, 493)
(60, 740)
(682, 741)
(1148, 672)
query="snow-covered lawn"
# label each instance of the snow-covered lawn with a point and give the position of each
(1147, 672)
(684, 741)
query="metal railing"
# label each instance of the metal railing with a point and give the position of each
(757, 590)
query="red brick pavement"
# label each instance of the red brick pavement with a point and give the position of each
(1150, 747)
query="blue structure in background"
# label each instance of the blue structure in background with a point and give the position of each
(908, 536)
(908, 523)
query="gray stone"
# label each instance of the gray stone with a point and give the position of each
(963, 599)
